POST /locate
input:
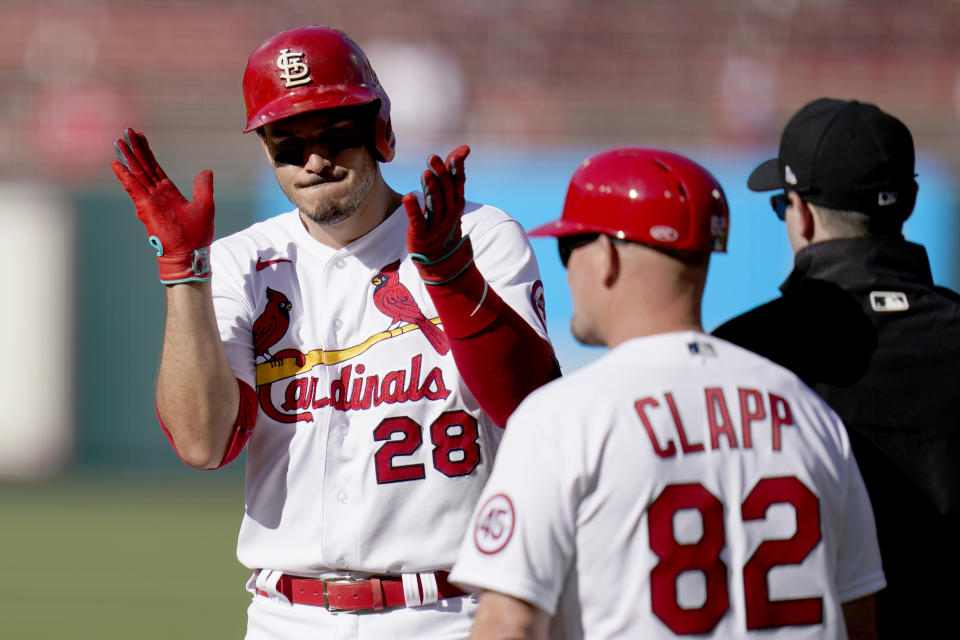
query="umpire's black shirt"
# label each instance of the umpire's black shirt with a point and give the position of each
(861, 321)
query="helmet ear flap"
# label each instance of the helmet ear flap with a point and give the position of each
(311, 68)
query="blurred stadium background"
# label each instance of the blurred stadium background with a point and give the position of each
(103, 533)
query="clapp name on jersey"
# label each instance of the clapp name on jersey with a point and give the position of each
(754, 407)
(301, 394)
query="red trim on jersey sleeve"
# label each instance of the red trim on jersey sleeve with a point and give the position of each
(246, 419)
(499, 355)
(166, 432)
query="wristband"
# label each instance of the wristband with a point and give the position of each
(175, 268)
(466, 304)
(447, 268)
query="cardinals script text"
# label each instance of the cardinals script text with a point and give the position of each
(354, 391)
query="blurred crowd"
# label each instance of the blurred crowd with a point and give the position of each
(675, 73)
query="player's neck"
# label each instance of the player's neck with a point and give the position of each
(656, 295)
(375, 208)
(658, 306)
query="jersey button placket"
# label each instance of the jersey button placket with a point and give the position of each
(341, 264)
(337, 323)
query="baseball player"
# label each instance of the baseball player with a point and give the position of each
(679, 485)
(368, 346)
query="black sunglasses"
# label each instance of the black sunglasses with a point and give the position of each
(780, 202)
(566, 244)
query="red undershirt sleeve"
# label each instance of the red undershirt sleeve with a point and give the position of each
(498, 354)
(242, 429)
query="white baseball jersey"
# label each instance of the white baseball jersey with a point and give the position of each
(679, 485)
(369, 452)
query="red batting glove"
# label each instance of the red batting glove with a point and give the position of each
(443, 256)
(434, 239)
(179, 230)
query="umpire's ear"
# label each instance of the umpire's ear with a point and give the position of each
(910, 202)
(803, 227)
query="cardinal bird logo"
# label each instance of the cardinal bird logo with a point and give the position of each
(394, 300)
(272, 323)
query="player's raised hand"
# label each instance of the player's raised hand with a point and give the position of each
(434, 238)
(180, 230)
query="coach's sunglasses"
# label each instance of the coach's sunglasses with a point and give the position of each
(779, 203)
(566, 244)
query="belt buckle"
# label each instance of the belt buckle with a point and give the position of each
(341, 580)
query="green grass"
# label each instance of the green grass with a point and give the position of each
(122, 557)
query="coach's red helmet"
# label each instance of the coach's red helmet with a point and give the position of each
(645, 195)
(311, 68)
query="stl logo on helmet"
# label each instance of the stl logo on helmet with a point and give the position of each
(293, 70)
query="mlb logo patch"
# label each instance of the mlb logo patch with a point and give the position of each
(887, 301)
(701, 349)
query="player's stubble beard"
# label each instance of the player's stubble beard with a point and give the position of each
(328, 211)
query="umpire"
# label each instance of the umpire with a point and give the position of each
(862, 322)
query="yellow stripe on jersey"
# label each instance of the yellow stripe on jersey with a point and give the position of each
(274, 370)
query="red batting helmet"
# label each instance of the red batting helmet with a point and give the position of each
(645, 195)
(311, 68)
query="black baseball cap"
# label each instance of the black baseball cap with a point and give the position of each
(846, 155)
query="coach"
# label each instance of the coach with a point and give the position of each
(861, 321)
